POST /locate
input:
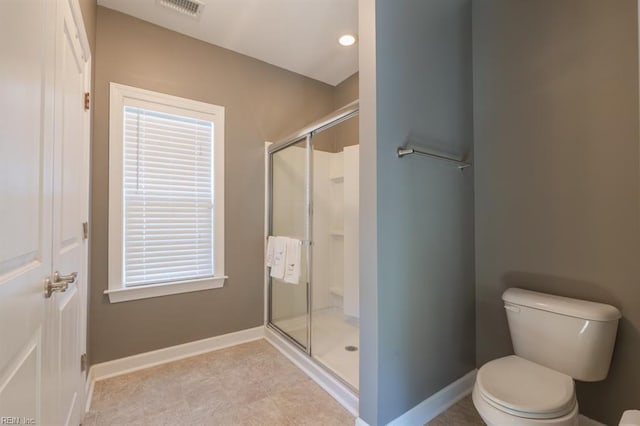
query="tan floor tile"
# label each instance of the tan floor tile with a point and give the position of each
(262, 412)
(215, 365)
(177, 415)
(90, 419)
(160, 402)
(207, 393)
(461, 413)
(243, 387)
(117, 392)
(323, 419)
(248, 384)
(306, 403)
(265, 412)
(130, 415)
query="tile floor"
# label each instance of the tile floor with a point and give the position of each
(248, 384)
(461, 414)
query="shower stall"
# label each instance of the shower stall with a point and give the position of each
(312, 196)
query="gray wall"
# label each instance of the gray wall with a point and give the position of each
(557, 174)
(262, 102)
(347, 91)
(344, 134)
(347, 133)
(89, 15)
(425, 311)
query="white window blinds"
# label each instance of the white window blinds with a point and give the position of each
(168, 197)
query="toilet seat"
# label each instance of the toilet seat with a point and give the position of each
(525, 389)
(493, 416)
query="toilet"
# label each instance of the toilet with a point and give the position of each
(555, 340)
(630, 418)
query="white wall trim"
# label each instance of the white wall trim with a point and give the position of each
(76, 13)
(339, 391)
(88, 390)
(360, 422)
(436, 404)
(141, 361)
(125, 294)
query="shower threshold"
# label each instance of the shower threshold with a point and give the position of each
(324, 376)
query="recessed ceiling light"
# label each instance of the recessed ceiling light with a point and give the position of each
(347, 40)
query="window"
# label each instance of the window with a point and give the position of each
(166, 195)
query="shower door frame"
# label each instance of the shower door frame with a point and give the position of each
(307, 231)
(307, 133)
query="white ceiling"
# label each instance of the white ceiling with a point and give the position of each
(298, 35)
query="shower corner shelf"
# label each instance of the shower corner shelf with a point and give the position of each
(337, 232)
(337, 179)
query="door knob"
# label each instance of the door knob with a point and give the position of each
(69, 279)
(60, 283)
(50, 287)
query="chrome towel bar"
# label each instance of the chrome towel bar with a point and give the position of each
(409, 150)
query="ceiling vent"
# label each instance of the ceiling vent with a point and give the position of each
(191, 8)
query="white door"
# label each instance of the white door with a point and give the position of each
(27, 30)
(69, 201)
(40, 338)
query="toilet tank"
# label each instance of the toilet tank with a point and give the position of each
(573, 336)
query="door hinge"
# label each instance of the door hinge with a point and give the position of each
(87, 101)
(83, 362)
(85, 230)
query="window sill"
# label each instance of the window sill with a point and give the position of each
(124, 294)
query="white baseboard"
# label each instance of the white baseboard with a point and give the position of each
(339, 391)
(141, 361)
(88, 390)
(436, 404)
(439, 402)
(360, 422)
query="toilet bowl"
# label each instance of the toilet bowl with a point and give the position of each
(555, 340)
(630, 418)
(515, 391)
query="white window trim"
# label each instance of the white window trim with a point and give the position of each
(118, 94)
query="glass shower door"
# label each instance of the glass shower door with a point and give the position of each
(289, 198)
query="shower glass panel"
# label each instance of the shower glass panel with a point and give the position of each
(290, 218)
(335, 299)
(313, 195)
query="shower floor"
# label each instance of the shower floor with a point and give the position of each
(332, 333)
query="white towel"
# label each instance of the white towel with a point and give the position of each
(293, 258)
(279, 255)
(270, 251)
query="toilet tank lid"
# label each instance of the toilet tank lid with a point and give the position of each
(561, 305)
